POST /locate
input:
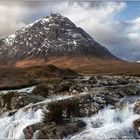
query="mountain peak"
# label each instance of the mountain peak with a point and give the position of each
(54, 15)
(53, 35)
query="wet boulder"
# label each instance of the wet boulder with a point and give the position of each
(64, 86)
(41, 90)
(13, 101)
(92, 80)
(53, 130)
(120, 105)
(31, 129)
(136, 125)
(88, 105)
(130, 90)
(137, 107)
(138, 91)
(76, 88)
(111, 100)
(105, 80)
(122, 80)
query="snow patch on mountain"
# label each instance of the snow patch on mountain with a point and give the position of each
(54, 35)
(10, 40)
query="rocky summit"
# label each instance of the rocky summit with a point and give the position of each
(54, 35)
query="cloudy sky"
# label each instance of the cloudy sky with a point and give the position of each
(115, 25)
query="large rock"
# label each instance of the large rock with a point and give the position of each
(14, 101)
(29, 130)
(111, 100)
(77, 88)
(92, 80)
(122, 80)
(41, 90)
(89, 105)
(136, 125)
(137, 107)
(64, 86)
(53, 131)
(123, 90)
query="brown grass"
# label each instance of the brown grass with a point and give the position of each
(89, 65)
(28, 63)
(15, 78)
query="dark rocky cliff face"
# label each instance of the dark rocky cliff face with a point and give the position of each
(53, 35)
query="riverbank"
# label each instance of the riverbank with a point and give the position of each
(97, 106)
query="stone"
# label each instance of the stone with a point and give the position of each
(63, 86)
(41, 90)
(137, 106)
(76, 88)
(53, 131)
(13, 101)
(136, 125)
(111, 100)
(29, 130)
(92, 80)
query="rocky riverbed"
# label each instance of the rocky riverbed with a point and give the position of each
(85, 107)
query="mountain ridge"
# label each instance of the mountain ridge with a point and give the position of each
(54, 35)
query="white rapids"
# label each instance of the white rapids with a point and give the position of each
(110, 124)
(11, 127)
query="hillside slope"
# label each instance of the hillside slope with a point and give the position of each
(87, 65)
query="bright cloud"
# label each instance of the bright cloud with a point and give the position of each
(10, 19)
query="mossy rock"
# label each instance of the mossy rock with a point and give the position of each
(14, 101)
(60, 110)
(7, 99)
(41, 90)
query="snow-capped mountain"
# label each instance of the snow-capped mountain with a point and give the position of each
(54, 35)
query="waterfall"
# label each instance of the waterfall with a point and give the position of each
(11, 127)
(110, 124)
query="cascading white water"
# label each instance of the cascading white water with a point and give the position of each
(12, 127)
(110, 124)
